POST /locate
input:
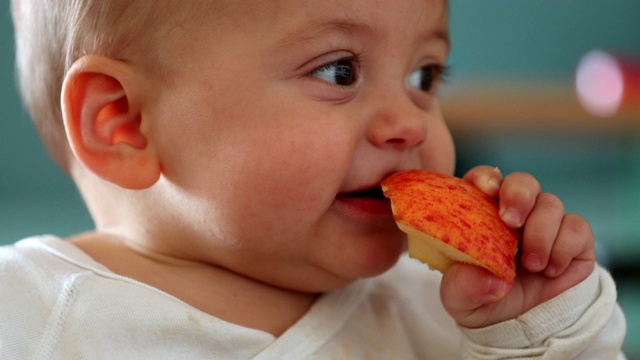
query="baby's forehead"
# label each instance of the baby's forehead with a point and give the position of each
(370, 18)
(184, 27)
(343, 16)
(279, 11)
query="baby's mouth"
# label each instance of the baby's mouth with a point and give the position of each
(366, 201)
(373, 193)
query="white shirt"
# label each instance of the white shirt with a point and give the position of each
(58, 303)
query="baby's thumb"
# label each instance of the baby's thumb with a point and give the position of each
(467, 292)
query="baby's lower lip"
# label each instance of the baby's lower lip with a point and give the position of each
(364, 205)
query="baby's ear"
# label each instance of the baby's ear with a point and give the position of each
(101, 108)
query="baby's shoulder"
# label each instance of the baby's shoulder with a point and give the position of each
(31, 279)
(30, 255)
(30, 268)
(35, 271)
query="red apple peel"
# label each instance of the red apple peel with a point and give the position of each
(449, 220)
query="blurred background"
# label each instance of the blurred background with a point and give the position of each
(510, 101)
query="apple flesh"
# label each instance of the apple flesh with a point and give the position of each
(449, 220)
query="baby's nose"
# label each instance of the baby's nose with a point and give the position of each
(397, 123)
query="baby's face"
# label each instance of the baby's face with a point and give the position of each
(281, 121)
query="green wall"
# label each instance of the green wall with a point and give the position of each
(538, 37)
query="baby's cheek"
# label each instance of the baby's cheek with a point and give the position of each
(438, 156)
(437, 152)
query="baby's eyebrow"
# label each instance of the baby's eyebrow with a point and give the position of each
(313, 31)
(349, 27)
(440, 34)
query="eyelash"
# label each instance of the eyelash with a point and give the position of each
(439, 74)
(443, 72)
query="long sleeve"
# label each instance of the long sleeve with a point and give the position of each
(584, 322)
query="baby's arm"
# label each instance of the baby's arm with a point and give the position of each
(556, 271)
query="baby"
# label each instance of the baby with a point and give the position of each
(231, 154)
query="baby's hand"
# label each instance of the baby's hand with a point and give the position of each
(556, 253)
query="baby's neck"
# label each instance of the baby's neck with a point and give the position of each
(211, 289)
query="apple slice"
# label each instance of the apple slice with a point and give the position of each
(450, 220)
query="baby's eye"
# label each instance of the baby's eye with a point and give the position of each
(340, 72)
(427, 77)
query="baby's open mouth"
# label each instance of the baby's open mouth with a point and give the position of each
(368, 201)
(371, 193)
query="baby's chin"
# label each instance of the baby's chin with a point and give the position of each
(330, 260)
(347, 267)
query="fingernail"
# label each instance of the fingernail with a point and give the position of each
(497, 287)
(511, 217)
(493, 185)
(533, 262)
(490, 185)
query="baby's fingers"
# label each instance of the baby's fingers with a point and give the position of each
(574, 242)
(488, 179)
(467, 291)
(540, 231)
(517, 198)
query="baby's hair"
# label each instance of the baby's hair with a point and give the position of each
(51, 35)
